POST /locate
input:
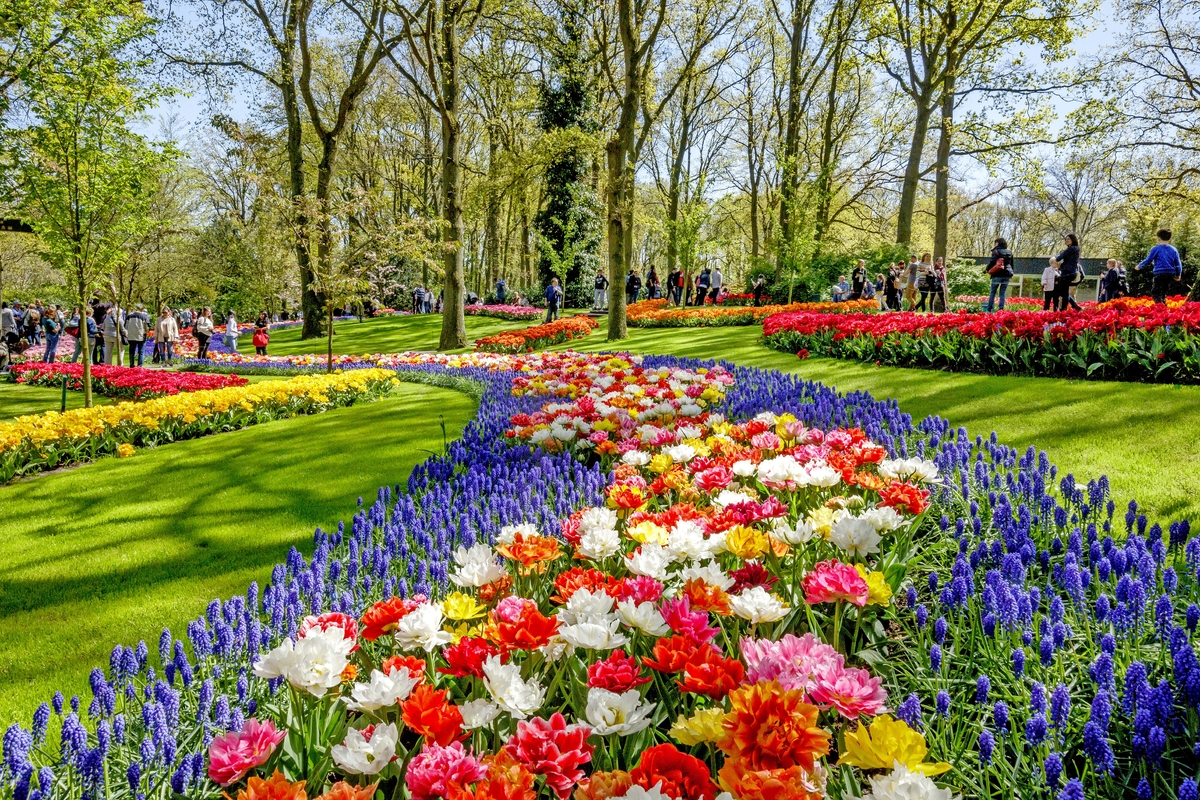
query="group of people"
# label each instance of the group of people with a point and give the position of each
(424, 302)
(679, 289)
(919, 285)
(111, 329)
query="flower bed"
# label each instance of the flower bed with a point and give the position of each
(978, 302)
(743, 299)
(45, 441)
(131, 383)
(637, 578)
(1114, 341)
(536, 337)
(656, 314)
(509, 312)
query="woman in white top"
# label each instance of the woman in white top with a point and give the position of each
(1049, 276)
(203, 329)
(166, 331)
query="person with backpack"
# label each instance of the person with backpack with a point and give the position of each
(554, 295)
(501, 291)
(600, 293)
(1164, 259)
(1000, 268)
(137, 325)
(633, 286)
(702, 284)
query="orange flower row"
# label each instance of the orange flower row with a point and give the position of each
(655, 314)
(526, 340)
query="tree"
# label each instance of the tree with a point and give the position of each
(434, 31)
(85, 179)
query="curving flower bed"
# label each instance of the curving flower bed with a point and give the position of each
(131, 383)
(1114, 341)
(40, 442)
(645, 578)
(978, 302)
(536, 337)
(656, 314)
(501, 311)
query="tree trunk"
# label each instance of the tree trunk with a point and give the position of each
(311, 303)
(912, 172)
(454, 326)
(825, 179)
(491, 228)
(84, 343)
(941, 206)
(614, 195)
(789, 179)
(751, 161)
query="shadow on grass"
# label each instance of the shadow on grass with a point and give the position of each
(113, 551)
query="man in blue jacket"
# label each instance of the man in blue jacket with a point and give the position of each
(1167, 266)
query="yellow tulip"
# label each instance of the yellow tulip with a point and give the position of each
(885, 742)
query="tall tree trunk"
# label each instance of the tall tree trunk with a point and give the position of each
(941, 206)
(491, 228)
(84, 342)
(825, 179)
(614, 195)
(454, 326)
(311, 303)
(789, 178)
(752, 163)
(526, 251)
(912, 172)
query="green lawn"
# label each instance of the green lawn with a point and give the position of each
(17, 399)
(391, 334)
(1143, 436)
(112, 551)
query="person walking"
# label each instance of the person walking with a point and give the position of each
(262, 334)
(203, 330)
(892, 281)
(674, 286)
(1068, 271)
(702, 284)
(881, 291)
(924, 281)
(99, 312)
(941, 286)
(52, 328)
(1168, 269)
(33, 324)
(653, 285)
(166, 332)
(553, 298)
(717, 283)
(1000, 268)
(137, 325)
(911, 276)
(760, 286)
(501, 291)
(231, 332)
(633, 285)
(89, 324)
(600, 292)
(858, 280)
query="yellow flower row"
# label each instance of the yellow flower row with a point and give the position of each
(43, 441)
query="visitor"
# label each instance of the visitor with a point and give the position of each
(841, 290)
(501, 291)
(52, 327)
(891, 286)
(1068, 270)
(99, 312)
(653, 286)
(137, 325)
(1000, 268)
(600, 293)
(717, 281)
(689, 290)
(1164, 258)
(633, 285)
(868, 290)
(760, 286)
(88, 326)
(262, 335)
(1049, 281)
(8, 322)
(858, 280)
(879, 287)
(702, 284)
(203, 330)
(924, 282)
(1074, 288)
(675, 286)
(554, 296)
(428, 301)
(166, 332)
(113, 330)
(231, 332)
(941, 285)
(911, 275)
(185, 318)
(33, 324)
